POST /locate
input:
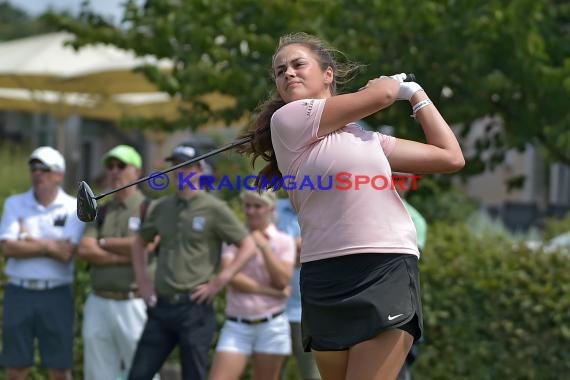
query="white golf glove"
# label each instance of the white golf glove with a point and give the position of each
(399, 77)
(407, 90)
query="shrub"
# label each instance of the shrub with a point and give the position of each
(492, 311)
(554, 226)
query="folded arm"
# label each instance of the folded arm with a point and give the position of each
(90, 251)
(246, 284)
(61, 250)
(280, 271)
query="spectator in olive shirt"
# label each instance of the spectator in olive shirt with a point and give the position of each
(192, 226)
(114, 315)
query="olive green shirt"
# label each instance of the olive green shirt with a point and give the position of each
(121, 219)
(191, 235)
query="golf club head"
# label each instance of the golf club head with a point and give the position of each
(86, 203)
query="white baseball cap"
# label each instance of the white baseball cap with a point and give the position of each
(49, 157)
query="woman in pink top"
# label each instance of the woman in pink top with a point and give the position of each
(359, 277)
(255, 302)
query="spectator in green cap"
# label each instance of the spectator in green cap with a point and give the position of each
(114, 314)
(126, 154)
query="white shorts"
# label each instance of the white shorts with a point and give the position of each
(272, 337)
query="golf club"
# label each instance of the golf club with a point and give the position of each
(87, 201)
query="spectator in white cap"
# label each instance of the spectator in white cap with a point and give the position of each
(38, 234)
(49, 157)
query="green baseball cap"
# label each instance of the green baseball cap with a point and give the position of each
(126, 154)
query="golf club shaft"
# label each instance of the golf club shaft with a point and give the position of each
(191, 161)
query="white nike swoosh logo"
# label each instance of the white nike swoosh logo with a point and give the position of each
(390, 318)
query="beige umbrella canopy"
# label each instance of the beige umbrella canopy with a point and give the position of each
(45, 62)
(43, 74)
(93, 106)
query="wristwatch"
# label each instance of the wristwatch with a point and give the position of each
(102, 242)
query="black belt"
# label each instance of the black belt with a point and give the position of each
(254, 321)
(174, 299)
(116, 295)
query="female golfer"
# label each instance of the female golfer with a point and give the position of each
(359, 277)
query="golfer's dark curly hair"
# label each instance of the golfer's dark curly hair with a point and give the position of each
(259, 128)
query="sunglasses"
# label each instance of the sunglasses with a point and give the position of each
(120, 165)
(39, 166)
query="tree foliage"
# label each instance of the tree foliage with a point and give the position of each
(15, 23)
(506, 59)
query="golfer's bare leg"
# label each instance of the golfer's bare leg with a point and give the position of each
(332, 364)
(380, 358)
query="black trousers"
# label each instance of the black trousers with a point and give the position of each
(186, 324)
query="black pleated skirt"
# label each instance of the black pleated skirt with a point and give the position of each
(350, 299)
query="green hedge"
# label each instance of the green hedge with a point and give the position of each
(491, 310)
